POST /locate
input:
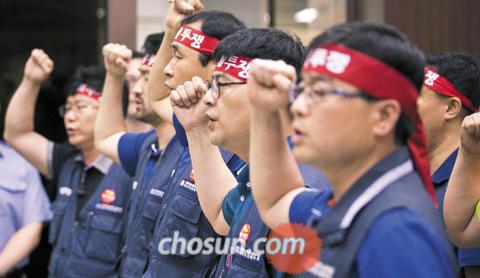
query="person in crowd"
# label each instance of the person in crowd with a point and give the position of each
(157, 159)
(450, 92)
(188, 53)
(92, 191)
(221, 118)
(461, 208)
(355, 118)
(142, 155)
(24, 207)
(136, 100)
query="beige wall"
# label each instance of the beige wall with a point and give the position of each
(330, 12)
(150, 18)
(151, 14)
(371, 10)
(122, 17)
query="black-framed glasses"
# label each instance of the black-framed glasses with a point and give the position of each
(215, 85)
(316, 96)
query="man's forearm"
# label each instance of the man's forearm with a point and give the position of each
(212, 176)
(156, 87)
(460, 199)
(273, 169)
(110, 125)
(19, 118)
(19, 247)
(157, 92)
(19, 126)
(110, 115)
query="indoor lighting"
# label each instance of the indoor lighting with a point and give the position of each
(307, 15)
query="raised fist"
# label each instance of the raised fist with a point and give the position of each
(268, 84)
(187, 105)
(116, 58)
(470, 134)
(179, 9)
(38, 67)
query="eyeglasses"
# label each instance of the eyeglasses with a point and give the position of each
(76, 108)
(215, 85)
(318, 95)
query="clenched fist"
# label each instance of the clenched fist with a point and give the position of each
(179, 9)
(470, 134)
(187, 105)
(116, 58)
(268, 84)
(38, 67)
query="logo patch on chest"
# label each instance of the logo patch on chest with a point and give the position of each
(244, 233)
(110, 208)
(64, 190)
(157, 192)
(322, 270)
(188, 185)
(108, 196)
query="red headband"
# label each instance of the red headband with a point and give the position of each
(440, 85)
(196, 40)
(148, 60)
(88, 91)
(382, 82)
(235, 66)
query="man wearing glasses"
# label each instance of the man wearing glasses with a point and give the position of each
(222, 119)
(92, 192)
(356, 119)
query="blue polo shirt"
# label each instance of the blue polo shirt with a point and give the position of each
(180, 131)
(466, 256)
(239, 200)
(399, 243)
(23, 200)
(232, 203)
(129, 148)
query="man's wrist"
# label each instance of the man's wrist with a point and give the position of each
(170, 33)
(31, 82)
(469, 155)
(116, 77)
(259, 114)
(3, 271)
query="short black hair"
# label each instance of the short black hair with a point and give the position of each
(137, 54)
(152, 43)
(461, 70)
(216, 24)
(273, 44)
(386, 44)
(93, 76)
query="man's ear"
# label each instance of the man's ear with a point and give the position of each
(387, 113)
(454, 107)
(211, 65)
